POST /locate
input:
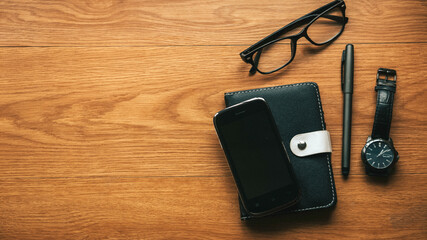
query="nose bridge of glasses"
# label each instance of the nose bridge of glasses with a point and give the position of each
(294, 26)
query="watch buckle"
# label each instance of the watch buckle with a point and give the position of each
(387, 73)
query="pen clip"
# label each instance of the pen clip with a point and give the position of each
(342, 69)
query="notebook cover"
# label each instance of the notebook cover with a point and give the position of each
(297, 109)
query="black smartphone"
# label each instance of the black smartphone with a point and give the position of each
(257, 157)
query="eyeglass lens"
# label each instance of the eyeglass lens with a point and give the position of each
(274, 55)
(326, 27)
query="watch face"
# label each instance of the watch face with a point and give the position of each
(379, 154)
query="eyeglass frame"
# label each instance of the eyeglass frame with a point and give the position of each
(247, 54)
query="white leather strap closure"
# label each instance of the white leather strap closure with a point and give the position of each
(311, 143)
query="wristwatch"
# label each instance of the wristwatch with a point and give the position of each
(379, 154)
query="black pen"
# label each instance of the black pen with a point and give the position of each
(347, 69)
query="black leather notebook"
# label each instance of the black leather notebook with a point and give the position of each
(297, 110)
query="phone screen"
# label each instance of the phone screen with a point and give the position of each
(256, 153)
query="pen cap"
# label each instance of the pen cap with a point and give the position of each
(348, 68)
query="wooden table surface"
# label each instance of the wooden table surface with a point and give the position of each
(106, 118)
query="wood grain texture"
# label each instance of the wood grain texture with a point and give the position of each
(192, 22)
(147, 111)
(106, 118)
(202, 208)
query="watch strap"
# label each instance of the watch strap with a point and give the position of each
(385, 88)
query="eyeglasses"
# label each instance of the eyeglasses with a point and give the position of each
(277, 50)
